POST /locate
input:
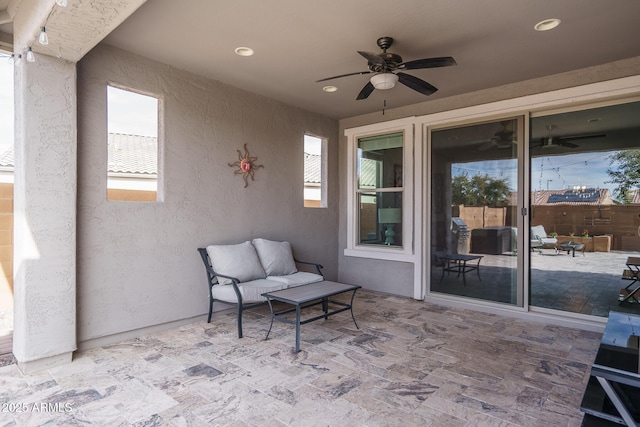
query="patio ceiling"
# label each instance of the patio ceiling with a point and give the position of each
(297, 43)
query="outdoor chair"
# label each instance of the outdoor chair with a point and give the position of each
(540, 239)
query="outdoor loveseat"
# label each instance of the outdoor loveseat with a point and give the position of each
(239, 274)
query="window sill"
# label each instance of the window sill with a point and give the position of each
(387, 254)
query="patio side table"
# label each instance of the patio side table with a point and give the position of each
(632, 273)
(571, 247)
(459, 263)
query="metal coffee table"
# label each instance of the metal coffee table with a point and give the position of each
(308, 296)
(571, 247)
(458, 263)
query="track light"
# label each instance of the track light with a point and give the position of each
(12, 59)
(30, 56)
(43, 39)
(18, 59)
(61, 3)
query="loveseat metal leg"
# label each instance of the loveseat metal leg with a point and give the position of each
(210, 310)
(239, 321)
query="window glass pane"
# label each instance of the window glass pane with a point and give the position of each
(132, 164)
(474, 195)
(6, 106)
(584, 234)
(380, 218)
(380, 161)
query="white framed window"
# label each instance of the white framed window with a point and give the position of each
(380, 190)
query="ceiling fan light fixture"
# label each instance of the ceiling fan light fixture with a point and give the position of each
(384, 81)
(547, 24)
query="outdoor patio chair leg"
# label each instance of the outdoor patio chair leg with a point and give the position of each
(210, 310)
(239, 320)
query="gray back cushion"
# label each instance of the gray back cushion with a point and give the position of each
(538, 232)
(276, 257)
(240, 261)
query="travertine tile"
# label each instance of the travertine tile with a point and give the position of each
(410, 364)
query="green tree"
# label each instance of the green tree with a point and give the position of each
(626, 175)
(479, 190)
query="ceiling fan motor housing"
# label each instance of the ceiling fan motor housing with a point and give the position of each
(391, 61)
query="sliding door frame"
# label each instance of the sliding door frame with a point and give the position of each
(615, 91)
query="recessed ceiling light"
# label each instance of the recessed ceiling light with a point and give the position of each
(594, 120)
(547, 24)
(329, 88)
(244, 51)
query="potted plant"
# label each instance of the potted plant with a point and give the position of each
(553, 234)
(572, 234)
(585, 233)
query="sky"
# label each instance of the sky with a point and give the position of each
(548, 172)
(312, 145)
(132, 113)
(6, 103)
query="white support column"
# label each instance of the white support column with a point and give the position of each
(45, 213)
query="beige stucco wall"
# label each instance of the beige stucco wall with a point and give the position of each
(398, 277)
(137, 262)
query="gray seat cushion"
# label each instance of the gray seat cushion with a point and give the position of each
(251, 291)
(297, 279)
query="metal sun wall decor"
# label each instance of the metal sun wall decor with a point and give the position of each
(246, 165)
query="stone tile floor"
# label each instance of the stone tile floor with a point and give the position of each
(410, 364)
(588, 283)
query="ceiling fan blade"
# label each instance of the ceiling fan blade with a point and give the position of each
(487, 145)
(366, 91)
(345, 75)
(416, 84)
(567, 144)
(536, 142)
(373, 58)
(579, 137)
(443, 61)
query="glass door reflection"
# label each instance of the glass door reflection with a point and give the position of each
(474, 211)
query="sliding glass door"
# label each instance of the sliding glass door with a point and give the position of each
(585, 204)
(574, 188)
(474, 199)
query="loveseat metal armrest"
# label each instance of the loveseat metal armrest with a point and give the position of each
(212, 280)
(212, 276)
(318, 267)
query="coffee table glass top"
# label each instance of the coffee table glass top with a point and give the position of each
(310, 292)
(619, 346)
(569, 245)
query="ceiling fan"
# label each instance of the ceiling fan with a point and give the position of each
(504, 138)
(385, 68)
(561, 141)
